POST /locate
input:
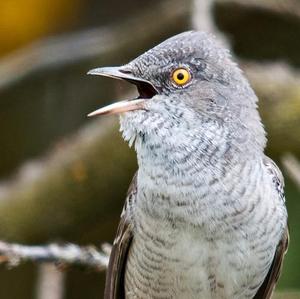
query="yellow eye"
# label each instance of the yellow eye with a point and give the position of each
(181, 76)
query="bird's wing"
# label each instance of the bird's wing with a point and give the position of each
(114, 285)
(267, 288)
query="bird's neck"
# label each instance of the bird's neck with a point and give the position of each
(175, 180)
(182, 162)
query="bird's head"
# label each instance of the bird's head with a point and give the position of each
(186, 85)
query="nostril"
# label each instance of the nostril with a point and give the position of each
(145, 88)
(125, 71)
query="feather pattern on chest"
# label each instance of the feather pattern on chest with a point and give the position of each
(194, 226)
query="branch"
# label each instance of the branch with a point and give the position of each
(261, 16)
(50, 282)
(69, 254)
(292, 167)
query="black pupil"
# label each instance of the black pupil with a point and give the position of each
(180, 76)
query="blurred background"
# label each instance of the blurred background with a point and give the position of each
(59, 170)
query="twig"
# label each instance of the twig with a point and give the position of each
(292, 167)
(202, 18)
(50, 282)
(69, 254)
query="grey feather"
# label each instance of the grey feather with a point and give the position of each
(206, 217)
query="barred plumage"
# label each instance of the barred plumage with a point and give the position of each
(205, 215)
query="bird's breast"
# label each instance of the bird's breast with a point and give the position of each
(170, 262)
(211, 246)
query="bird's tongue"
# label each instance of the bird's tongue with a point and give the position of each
(120, 107)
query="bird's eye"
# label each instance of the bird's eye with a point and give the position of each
(181, 76)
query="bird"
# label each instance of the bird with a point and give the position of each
(205, 214)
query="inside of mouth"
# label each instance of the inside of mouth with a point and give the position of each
(145, 90)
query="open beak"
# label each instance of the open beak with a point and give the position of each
(145, 88)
